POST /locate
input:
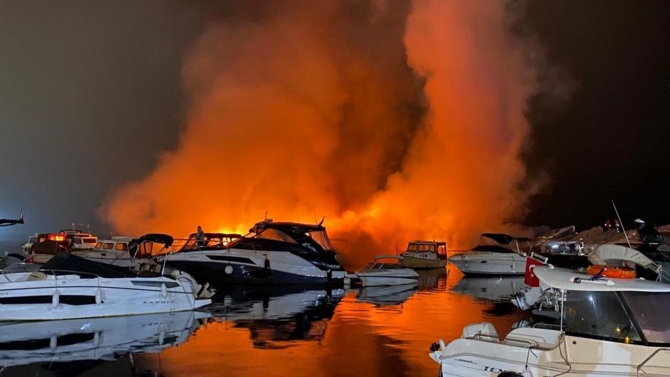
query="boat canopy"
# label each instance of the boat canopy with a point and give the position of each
(64, 263)
(164, 239)
(607, 252)
(504, 239)
(575, 281)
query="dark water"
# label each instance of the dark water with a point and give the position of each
(252, 332)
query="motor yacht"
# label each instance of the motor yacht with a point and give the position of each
(603, 327)
(497, 254)
(69, 287)
(272, 253)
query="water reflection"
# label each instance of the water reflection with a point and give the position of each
(314, 332)
(433, 280)
(73, 347)
(387, 295)
(277, 314)
(498, 289)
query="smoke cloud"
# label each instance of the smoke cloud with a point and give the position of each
(395, 120)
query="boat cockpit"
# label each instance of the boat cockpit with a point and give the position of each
(209, 241)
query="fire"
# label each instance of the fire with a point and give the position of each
(395, 123)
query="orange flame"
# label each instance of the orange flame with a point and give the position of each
(317, 111)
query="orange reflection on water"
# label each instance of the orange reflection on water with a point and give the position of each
(360, 339)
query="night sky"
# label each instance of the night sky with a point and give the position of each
(91, 95)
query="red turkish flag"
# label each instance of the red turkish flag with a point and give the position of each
(530, 278)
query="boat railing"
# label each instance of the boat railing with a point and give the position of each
(651, 357)
(47, 272)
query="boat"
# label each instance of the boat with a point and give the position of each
(70, 287)
(387, 295)
(604, 327)
(127, 251)
(272, 253)
(379, 273)
(102, 339)
(497, 254)
(425, 254)
(41, 247)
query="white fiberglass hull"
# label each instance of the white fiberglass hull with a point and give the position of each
(241, 266)
(54, 297)
(377, 278)
(549, 353)
(486, 263)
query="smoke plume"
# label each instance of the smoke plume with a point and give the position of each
(395, 120)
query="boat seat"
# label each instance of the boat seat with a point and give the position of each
(532, 336)
(482, 331)
(36, 275)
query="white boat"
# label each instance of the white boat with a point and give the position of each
(69, 287)
(94, 338)
(127, 251)
(272, 253)
(497, 254)
(425, 255)
(606, 327)
(380, 273)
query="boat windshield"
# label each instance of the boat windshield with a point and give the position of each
(320, 237)
(599, 315)
(276, 235)
(650, 311)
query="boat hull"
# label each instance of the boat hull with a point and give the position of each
(72, 297)
(388, 277)
(223, 274)
(491, 264)
(585, 357)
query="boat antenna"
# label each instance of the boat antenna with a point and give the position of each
(621, 223)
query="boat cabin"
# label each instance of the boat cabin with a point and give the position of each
(632, 311)
(427, 249)
(502, 243)
(209, 241)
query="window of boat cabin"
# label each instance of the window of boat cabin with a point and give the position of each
(276, 235)
(599, 315)
(121, 246)
(320, 237)
(426, 247)
(650, 311)
(108, 246)
(413, 247)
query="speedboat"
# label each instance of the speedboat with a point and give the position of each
(425, 255)
(102, 339)
(127, 251)
(381, 272)
(497, 254)
(604, 327)
(272, 253)
(69, 287)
